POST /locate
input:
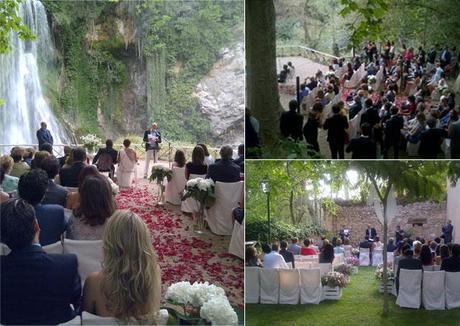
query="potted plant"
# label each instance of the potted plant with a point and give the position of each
(345, 269)
(333, 283)
(354, 263)
(90, 142)
(159, 173)
(390, 274)
(202, 190)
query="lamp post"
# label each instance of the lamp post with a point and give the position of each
(264, 184)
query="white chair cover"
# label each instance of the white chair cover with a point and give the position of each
(377, 257)
(325, 268)
(90, 319)
(269, 285)
(190, 205)
(428, 268)
(175, 187)
(347, 251)
(219, 216)
(410, 288)
(237, 242)
(252, 284)
(327, 112)
(89, 254)
(452, 290)
(364, 259)
(310, 286)
(338, 259)
(303, 265)
(433, 290)
(379, 76)
(4, 249)
(354, 125)
(75, 321)
(436, 268)
(390, 258)
(355, 80)
(54, 248)
(289, 286)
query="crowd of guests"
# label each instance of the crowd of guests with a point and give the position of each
(386, 122)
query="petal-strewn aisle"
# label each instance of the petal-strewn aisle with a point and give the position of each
(183, 255)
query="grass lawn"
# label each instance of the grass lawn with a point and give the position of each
(361, 304)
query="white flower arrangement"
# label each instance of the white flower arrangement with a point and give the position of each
(90, 141)
(159, 172)
(371, 79)
(179, 292)
(219, 312)
(330, 74)
(200, 189)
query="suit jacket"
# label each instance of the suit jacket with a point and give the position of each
(371, 116)
(69, 175)
(451, 264)
(454, 135)
(113, 154)
(393, 128)
(52, 223)
(291, 125)
(362, 148)
(373, 233)
(240, 162)
(447, 232)
(407, 263)
(38, 288)
(55, 194)
(288, 257)
(224, 171)
(335, 127)
(44, 136)
(430, 142)
(146, 139)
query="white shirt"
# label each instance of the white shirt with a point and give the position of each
(274, 260)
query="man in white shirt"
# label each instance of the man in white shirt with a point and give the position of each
(273, 259)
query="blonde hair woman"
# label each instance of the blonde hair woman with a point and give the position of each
(128, 286)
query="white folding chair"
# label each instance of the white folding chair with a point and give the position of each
(237, 241)
(54, 248)
(429, 268)
(452, 290)
(190, 205)
(436, 268)
(89, 254)
(410, 288)
(364, 259)
(219, 216)
(269, 285)
(289, 286)
(252, 284)
(325, 268)
(75, 321)
(377, 257)
(175, 187)
(310, 286)
(433, 290)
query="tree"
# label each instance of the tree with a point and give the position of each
(10, 21)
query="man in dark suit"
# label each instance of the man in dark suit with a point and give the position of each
(55, 194)
(336, 126)
(240, 160)
(152, 140)
(69, 175)
(371, 232)
(44, 136)
(106, 158)
(37, 288)
(224, 170)
(446, 58)
(431, 140)
(363, 147)
(287, 255)
(371, 115)
(291, 122)
(393, 128)
(366, 243)
(447, 232)
(51, 219)
(407, 262)
(452, 264)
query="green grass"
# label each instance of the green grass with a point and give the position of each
(361, 304)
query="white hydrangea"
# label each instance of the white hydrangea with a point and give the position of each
(180, 292)
(192, 183)
(203, 292)
(218, 311)
(161, 167)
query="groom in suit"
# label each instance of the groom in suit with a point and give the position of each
(152, 139)
(44, 136)
(371, 233)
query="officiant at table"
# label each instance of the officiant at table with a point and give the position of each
(152, 139)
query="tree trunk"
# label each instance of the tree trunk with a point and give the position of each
(306, 15)
(262, 97)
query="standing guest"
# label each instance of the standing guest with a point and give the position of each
(287, 255)
(38, 158)
(179, 159)
(272, 258)
(88, 221)
(32, 188)
(308, 249)
(127, 160)
(224, 170)
(240, 160)
(446, 58)
(152, 139)
(19, 167)
(129, 285)
(9, 183)
(447, 232)
(336, 132)
(452, 264)
(363, 147)
(407, 262)
(251, 257)
(37, 288)
(431, 140)
(294, 247)
(197, 166)
(44, 136)
(399, 234)
(55, 194)
(291, 122)
(326, 255)
(393, 127)
(106, 158)
(208, 159)
(63, 159)
(68, 176)
(371, 233)
(310, 130)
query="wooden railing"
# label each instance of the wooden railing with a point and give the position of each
(308, 53)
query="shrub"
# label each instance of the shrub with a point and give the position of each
(258, 230)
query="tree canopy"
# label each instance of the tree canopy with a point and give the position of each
(11, 22)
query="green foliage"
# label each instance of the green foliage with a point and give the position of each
(258, 230)
(11, 22)
(286, 148)
(285, 28)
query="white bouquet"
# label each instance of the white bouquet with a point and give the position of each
(330, 74)
(180, 292)
(219, 312)
(91, 141)
(371, 79)
(200, 189)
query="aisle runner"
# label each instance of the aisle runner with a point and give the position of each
(182, 255)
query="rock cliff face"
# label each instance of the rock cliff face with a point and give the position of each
(221, 96)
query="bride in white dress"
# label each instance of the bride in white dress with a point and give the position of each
(127, 159)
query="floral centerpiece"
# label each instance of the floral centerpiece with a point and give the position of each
(345, 269)
(202, 303)
(334, 279)
(329, 74)
(90, 142)
(355, 252)
(354, 263)
(159, 173)
(371, 79)
(379, 272)
(202, 190)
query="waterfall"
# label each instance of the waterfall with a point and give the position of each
(25, 106)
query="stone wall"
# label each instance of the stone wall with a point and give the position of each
(357, 216)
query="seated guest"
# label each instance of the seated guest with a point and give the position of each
(197, 166)
(208, 159)
(88, 221)
(63, 159)
(425, 256)
(9, 183)
(443, 254)
(3, 195)
(37, 288)
(287, 255)
(38, 158)
(407, 261)
(338, 249)
(347, 248)
(32, 188)
(252, 260)
(391, 245)
(179, 159)
(55, 194)
(452, 264)
(294, 247)
(272, 258)
(327, 254)
(29, 155)
(308, 249)
(129, 285)
(367, 243)
(417, 246)
(69, 175)
(19, 167)
(106, 158)
(377, 244)
(224, 170)
(240, 160)
(363, 147)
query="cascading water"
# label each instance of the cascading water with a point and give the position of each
(25, 106)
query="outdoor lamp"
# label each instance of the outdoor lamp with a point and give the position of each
(265, 186)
